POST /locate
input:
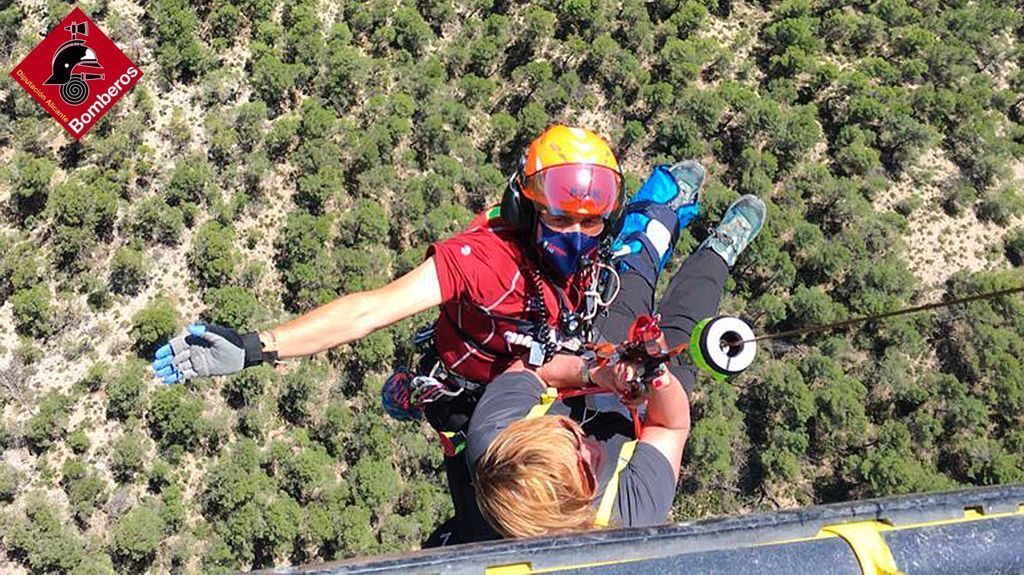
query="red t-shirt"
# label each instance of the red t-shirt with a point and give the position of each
(481, 271)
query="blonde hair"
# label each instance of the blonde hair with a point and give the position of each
(529, 481)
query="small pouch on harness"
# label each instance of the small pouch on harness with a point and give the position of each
(446, 400)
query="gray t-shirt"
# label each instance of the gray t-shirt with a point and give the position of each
(646, 486)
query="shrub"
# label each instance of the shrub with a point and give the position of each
(252, 422)
(213, 258)
(10, 479)
(1014, 247)
(80, 212)
(86, 490)
(281, 137)
(175, 418)
(78, 442)
(20, 266)
(127, 456)
(82, 204)
(137, 536)
(156, 221)
(231, 306)
(246, 387)
(127, 271)
(273, 80)
(368, 223)
(49, 424)
(1000, 206)
(174, 25)
(444, 221)
(126, 393)
(97, 377)
(29, 178)
(189, 181)
(43, 541)
(33, 311)
(154, 325)
(299, 388)
(249, 123)
(159, 476)
(173, 511)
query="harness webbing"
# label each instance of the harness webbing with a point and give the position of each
(604, 510)
(607, 504)
(546, 401)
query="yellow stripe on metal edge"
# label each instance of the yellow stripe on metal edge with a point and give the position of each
(604, 511)
(865, 538)
(513, 569)
(970, 514)
(527, 568)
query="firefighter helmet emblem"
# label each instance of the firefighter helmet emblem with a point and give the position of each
(74, 64)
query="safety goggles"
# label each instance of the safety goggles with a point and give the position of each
(585, 470)
(573, 189)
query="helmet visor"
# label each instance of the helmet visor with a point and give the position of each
(576, 189)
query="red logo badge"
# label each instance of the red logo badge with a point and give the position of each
(76, 73)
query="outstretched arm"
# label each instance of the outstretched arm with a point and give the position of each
(215, 350)
(356, 315)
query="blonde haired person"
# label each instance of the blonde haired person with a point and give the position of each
(547, 475)
(539, 471)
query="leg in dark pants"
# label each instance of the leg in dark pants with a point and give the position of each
(693, 294)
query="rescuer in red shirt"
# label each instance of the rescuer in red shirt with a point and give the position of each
(523, 264)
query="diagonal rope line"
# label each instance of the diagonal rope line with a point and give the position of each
(863, 319)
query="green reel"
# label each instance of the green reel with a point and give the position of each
(723, 346)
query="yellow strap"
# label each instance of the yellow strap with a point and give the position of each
(604, 511)
(865, 537)
(547, 399)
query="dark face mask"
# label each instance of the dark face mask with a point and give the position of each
(563, 252)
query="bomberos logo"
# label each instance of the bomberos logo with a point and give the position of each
(76, 73)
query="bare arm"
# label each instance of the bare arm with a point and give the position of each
(353, 316)
(668, 421)
(563, 371)
(668, 410)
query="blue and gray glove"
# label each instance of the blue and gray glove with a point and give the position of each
(207, 349)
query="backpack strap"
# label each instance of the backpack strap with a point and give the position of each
(604, 510)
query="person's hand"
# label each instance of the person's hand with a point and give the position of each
(205, 350)
(618, 377)
(623, 378)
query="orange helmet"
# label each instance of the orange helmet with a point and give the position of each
(567, 171)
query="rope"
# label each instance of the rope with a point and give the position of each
(864, 319)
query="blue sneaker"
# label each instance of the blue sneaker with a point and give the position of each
(740, 225)
(655, 216)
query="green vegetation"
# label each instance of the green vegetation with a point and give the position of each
(127, 271)
(127, 458)
(154, 325)
(338, 139)
(137, 537)
(126, 393)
